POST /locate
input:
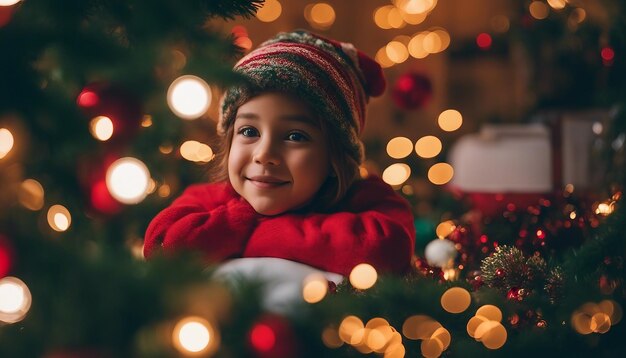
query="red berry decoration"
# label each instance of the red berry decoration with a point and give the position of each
(412, 91)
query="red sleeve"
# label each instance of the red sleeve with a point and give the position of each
(210, 218)
(375, 226)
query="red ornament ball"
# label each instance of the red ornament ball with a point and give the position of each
(272, 336)
(412, 91)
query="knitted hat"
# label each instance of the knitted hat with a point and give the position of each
(334, 78)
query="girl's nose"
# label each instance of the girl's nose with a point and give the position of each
(266, 152)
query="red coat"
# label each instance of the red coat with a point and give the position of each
(371, 224)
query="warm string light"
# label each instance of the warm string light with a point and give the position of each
(435, 338)
(399, 147)
(242, 39)
(314, 288)
(440, 173)
(396, 174)
(101, 128)
(363, 276)
(128, 180)
(59, 218)
(195, 151)
(596, 318)
(31, 195)
(428, 146)
(6, 142)
(320, 16)
(487, 328)
(270, 11)
(15, 299)
(538, 10)
(450, 120)
(189, 97)
(375, 336)
(456, 300)
(195, 335)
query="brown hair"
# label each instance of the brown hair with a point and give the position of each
(344, 168)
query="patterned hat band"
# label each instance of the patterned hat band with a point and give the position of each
(327, 75)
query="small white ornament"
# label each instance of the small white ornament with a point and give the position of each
(440, 253)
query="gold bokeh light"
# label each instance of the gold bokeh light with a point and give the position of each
(31, 195)
(320, 16)
(450, 120)
(195, 151)
(128, 180)
(428, 146)
(195, 335)
(456, 300)
(15, 299)
(440, 173)
(538, 10)
(399, 147)
(314, 288)
(189, 97)
(383, 60)
(381, 16)
(445, 228)
(557, 4)
(396, 174)
(397, 51)
(490, 312)
(363, 276)
(270, 11)
(6, 142)
(101, 128)
(59, 218)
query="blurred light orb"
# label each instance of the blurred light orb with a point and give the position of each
(440, 173)
(395, 18)
(432, 42)
(416, 6)
(59, 218)
(195, 151)
(456, 300)
(314, 288)
(6, 142)
(189, 97)
(383, 60)
(348, 327)
(490, 312)
(445, 228)
(262, 337)
(381, 16)
(416, 45)
(450, 120)
(399, 147)
(320, 16)
(557, 4)
(396, 174)
(8, 2)
(397, 51)
(363, 276)
(428, 146)
(194, 335)
(538, 10)
(101, 128)
(127, 180)
(495, 335)
(270, 11)
(330, 337)
(15, 299)
(31, 195)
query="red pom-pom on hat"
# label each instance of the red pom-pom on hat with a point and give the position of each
(373, 75)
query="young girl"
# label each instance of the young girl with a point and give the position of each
(290, 187)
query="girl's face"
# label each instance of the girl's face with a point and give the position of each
(278, 157)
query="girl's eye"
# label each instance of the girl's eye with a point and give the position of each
(297, 137)
(248, 132)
